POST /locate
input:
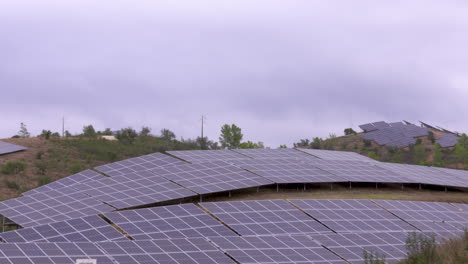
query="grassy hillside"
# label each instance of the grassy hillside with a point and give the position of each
(48, 160)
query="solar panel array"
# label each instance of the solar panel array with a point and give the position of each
(87, 229)
(51, 206)
(84, 176)
(394, 134)
(134, 189)
(428, 216)
(6, 148)
(280, 249)
(211, 177)
(336, 155)
(280, 153)
(139, 164)
(352, 215)
(175, 221)
(197, 156)
(270, 217)
(288, 171)
(447, 140)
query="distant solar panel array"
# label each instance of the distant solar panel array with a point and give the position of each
(266, 231)
(393, 134)
(6, 148)
(447, 140)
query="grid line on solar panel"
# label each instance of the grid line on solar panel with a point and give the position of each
(268, 217)
(87, 229)
(190, 250)
(211, 177)
(175, 221)
(288, 171)
(6, 148)
(275, 249)
(139, 164)
(282, 153)
(398, 135)
(55, 253)
(427, 216)
(197, 156)
(335, 155)
(84, 176)
(135, 189)
(51, 206)
(352, 215)
(352, 246)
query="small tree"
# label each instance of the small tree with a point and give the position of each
(107, 132)
(421, 248)
(251, 145)
(419, 154)
(126, 135)
(373, 155)
(89, 131)
(46, 134)
(316, 143)
(24, 133)
(283, 146)
(231, 136)
(373, 258)
(67, 133)
(349, 131)
(145, 131)
(438, 160)
(431, 137)
(167, 134)
(302, 143)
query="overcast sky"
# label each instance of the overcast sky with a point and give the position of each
(281, 70)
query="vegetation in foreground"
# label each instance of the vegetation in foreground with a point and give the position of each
(424, 249)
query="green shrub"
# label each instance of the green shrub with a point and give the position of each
(13, 167)
(39, 155)
(43, 180)
(373, 258)
(11, 184)
(41, 167)
(76, 167)
(421, 249)
(367, 142)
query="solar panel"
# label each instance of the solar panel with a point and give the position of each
(6, 148)
(281, 153)
(276, 249)
(396, 135)
(175, 221)
(211, 177)
(288, 171)
(358, 171)
(336, 155)
(197, 156)
(463, 207)
(135, 189)
(84, 176)
(270, 217)
(51, 253)
(352, 246)
(368, 127)
(427, 216)
(183, 250)
(139, 164)
(352, 216)
(51, 206)
(381, 125)
(447, 140)
(87, 229)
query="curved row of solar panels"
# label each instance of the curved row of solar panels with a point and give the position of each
(6, 148)
(265, 231)
(393, 134)
(159, 178)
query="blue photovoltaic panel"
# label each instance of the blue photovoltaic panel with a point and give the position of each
(400, 135)
(270, 217)
(336, 155)
(6, 148)
(139, 164)
(51, 206)
(288, 171)
(276, 249)
(368, 127)
(87, 229)
(281, 153)
(175, 221)
(84, 176)
(197, 156)
(211, 177)
(183, 251)
(427, 216)
(352, 216)
(447, 140)
(134, 189)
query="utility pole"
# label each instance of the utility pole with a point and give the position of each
(202, 142)
(202, 121)
(63, 126)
